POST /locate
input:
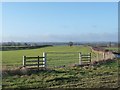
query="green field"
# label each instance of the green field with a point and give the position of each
(99, 76)
(14, 58)
(113, 48)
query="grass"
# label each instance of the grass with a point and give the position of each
(105, 76)
(102, 76)
(14, 58)
(113, 48)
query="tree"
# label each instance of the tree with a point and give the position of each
(25, 44)
(70, 44)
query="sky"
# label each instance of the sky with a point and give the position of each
(59, 21)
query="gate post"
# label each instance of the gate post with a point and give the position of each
(80, 59)
(38, 62)
(90, 57)
(103, 55)
(44, 59)
(24, 61)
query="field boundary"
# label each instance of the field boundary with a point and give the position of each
(34, 61)
(105, 54)
(37, 61)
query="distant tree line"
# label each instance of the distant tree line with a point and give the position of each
(19, 46)
(7, 48)
(27, 45)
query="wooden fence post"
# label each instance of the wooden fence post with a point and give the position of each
(103, 55)
(80, 59)
(38, 62)
(24, 61)
(44, 59)
(90, 57)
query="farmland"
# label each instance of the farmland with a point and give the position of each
(113, 49)
(98, 76)
(14, 58)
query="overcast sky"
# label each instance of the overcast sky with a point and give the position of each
(61, 22)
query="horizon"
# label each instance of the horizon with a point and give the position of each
(60, 22)
(59, 42)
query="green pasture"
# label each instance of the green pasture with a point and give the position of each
(113, 48)
(100, 76)
(14, 58)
